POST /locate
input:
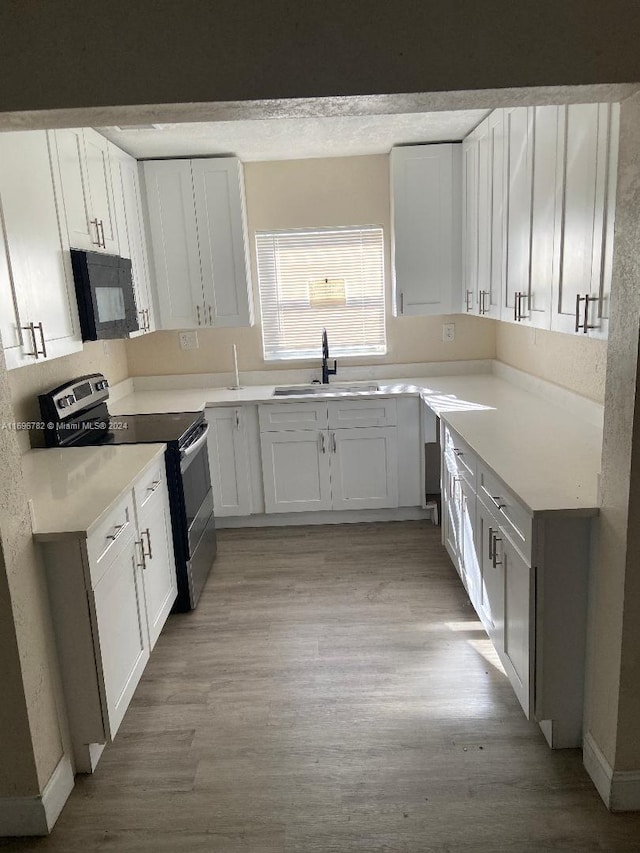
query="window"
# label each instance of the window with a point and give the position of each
(319, 278)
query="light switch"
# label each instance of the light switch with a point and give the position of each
(448, 332)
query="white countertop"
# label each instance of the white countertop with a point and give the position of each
(548, 457)
(71, 488)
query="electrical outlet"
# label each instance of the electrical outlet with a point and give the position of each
(448, 332)
(188, 340)
(106, 349)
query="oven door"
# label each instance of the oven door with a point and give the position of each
(196, 488)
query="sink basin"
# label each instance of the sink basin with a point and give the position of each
(319, 390)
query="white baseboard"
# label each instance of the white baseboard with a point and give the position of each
(37, 815)
(619, 789)
(287, 519)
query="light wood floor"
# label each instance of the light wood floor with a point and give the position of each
(333, 692)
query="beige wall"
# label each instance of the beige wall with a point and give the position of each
(25, 383)
(306, 193)
(574, 362)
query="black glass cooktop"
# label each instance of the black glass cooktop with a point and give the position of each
(147, 429)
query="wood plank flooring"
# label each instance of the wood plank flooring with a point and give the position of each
(333, 692)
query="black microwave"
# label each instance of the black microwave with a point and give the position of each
(104, 290)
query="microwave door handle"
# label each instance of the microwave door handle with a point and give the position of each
(189, 451)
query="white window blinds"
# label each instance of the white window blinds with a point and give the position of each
(319, 278)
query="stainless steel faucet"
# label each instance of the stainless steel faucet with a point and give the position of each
(326, 370)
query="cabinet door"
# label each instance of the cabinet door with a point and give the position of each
(120, 634)
(222, 238)
(425, 239)
(492, 301)
(159, 569)
(451, 502)
(174, 242)
(131, 232)
(585, 129)
(490, 603)
(518, 651)
(545, 214)
(98, 165)
(468, 553)
(470, 213)
(16, 341)
(82, 226)
(38, 255)
(295, 467)
(518, 140)
(228, 461)
(364, 467)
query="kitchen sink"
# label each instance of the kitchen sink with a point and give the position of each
(320, 390)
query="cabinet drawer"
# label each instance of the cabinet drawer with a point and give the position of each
(280, 416)
(515, 519)
(110, 536)
(149, 485)
(362, 413)
(459, 457)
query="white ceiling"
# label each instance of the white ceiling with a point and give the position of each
(295, 138)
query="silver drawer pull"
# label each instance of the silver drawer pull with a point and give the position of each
(457, 452)
(494, 558)
(118, 530)
(148, 535)
(154, 485)
(143, 564)
(496, 501)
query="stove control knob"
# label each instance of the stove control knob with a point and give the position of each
(70, 399)
(61, 403)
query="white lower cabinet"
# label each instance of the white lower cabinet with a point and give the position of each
(111, 591)
(353, 466)
(229, 460)
(527, 580)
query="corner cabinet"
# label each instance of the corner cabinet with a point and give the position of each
(425, 229)
(131, 230)
(111, 591)
(198, 231)
(38, 310)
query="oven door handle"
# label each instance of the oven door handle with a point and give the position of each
(193, 448)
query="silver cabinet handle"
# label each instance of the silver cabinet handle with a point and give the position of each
(146, 533)
(117, 531)
(153, 486)
(101, 235)
(44, 345)
(95, 222)
(585, 322)
(32, 329)
(333, 443)
(491, 544)
(322, 447)
(210, 316)
(497, 500)
(143, 564)
(494, 559)
(457, 452)
(401, 302)
(469, 300)
(198, 313)
(237, 419)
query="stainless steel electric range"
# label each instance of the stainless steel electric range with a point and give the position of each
(76, 414)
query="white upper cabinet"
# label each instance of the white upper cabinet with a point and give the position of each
(199, 242)
(131, 231)
(589, 172)
(519, 176)
(85, 169)
(425, 228)
(218, 185)
(545, 223)
(39, 316)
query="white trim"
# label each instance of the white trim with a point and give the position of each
(581, 407)
(619, 789)
(284, 519)
(371, 372)
(37, 815)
